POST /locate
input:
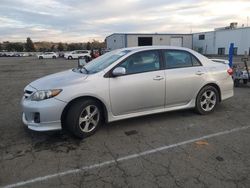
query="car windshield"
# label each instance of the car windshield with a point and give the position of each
(103, 61)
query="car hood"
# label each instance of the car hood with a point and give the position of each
(58, 80)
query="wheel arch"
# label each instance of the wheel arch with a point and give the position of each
(67, 107)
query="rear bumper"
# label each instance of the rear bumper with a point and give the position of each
(227, 94)
(49, 111)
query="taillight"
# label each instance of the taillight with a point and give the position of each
(230, 71)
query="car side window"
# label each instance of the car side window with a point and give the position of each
(142, 62)
(179, 59)
(195, 61)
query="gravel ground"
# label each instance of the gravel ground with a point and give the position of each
(126, 153)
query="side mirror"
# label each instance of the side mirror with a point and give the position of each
(118, 71)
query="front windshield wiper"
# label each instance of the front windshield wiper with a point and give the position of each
(84, 69)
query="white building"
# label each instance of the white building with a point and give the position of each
(122, 40)
(217, 42)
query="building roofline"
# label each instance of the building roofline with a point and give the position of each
(148, 34)
(178, 33)
(223, 30)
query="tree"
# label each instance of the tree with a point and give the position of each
(52, 47)
(74, 46)
(18, 46)
(29, 46)
(60, 47)
(8, 46)
(97, 45)
(88, 46)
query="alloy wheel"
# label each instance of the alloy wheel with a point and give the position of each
(208, 100)
(89, 118)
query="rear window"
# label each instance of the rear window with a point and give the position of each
(179, 59)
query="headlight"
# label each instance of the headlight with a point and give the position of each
(45, 94)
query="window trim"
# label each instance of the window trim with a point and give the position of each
(110, 75)
(222, 49)
(201, 36)
(191, 55)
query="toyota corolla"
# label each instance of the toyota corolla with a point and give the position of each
(125, 83)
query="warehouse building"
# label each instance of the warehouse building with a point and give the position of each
(122, 40)
(217, 42)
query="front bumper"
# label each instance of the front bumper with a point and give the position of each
(49, 111)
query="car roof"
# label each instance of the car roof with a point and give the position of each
(140, 48)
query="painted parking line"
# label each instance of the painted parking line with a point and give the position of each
(125, 158)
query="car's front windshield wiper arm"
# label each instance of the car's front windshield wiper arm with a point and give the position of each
(84, 69)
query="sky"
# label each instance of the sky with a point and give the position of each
(82, 20)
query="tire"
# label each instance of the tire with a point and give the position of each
(54, 57)
(236, 82)
(70, 57)
(245, 81)
(83, 110)
(207, 100)
(40, 57)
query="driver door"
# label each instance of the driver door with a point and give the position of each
(142, 88)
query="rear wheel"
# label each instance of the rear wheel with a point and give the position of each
(245, 81)
(206, 100)
(70, 57)
(54, 57)
(84, 117)
(40, 57)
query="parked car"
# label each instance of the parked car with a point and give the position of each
(10, 54)
(23, 54)
(77, 54)
(47, 55)
(125, 83)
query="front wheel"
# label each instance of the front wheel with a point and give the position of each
(84, 117)
(206, 100)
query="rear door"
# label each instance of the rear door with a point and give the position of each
(185, 75)
(142, 88)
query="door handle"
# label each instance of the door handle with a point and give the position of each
(158, 78)
(199, 73)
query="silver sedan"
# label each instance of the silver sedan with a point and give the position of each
(125, 83)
